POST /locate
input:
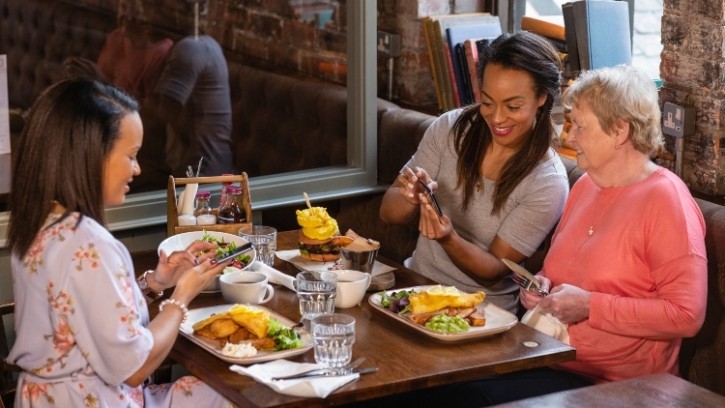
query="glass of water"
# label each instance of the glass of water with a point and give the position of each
(333, 336)
(316, 292)
(263, 239)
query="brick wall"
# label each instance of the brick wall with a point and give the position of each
(693, 71)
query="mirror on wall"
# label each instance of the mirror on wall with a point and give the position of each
(334, 26)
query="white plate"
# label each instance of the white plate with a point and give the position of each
(180, 242)
(497, 320)
(196, 315)
(293, 256)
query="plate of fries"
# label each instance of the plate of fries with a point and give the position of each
(212, 327)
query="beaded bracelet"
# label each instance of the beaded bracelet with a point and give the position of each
(178, 304)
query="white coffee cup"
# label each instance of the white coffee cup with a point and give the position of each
(246, 287)
(351, 287)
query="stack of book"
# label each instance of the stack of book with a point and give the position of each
(454, 42)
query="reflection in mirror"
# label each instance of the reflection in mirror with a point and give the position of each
(313, 52)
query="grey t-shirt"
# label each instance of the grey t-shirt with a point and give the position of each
(195, 75)
(529, 214)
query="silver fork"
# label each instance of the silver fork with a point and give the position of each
(528, 284)
(524, 278)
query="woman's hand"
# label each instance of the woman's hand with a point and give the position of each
(409, 187)
(192, 281)
(568, 303)
(170, 268)
(431, 225)
(530, 298)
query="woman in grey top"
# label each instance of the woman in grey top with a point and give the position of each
(500, 185)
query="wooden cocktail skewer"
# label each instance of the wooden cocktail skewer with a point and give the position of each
(307, 200)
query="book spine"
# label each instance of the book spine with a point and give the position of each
(466, 95)
(435, 71)
(567, 12)
(445, 79)
(452, 78)
(582, 34)
(471, 51)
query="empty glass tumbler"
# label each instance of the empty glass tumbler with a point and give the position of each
(263, 239)
(333, 336)
(316, 292)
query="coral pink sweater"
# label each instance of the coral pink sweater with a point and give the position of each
(646, 266)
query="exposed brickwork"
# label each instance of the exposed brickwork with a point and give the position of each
(693, 74)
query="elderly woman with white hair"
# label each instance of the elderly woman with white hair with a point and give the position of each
(627, 268)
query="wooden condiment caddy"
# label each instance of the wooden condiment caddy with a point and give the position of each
(172, 211)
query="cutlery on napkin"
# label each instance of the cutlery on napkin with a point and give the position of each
(319, 387)
(323, 371)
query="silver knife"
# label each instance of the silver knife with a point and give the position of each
(325, 370)
(329, 373)
(524, 278)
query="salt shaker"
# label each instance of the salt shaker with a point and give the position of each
(203, 212)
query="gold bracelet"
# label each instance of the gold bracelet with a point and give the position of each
(184, 309)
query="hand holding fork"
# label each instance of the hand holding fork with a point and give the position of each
(524, 278)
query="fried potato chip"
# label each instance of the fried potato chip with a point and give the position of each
(253, 319)
(223, 328)
(239, 335)
(209, 320)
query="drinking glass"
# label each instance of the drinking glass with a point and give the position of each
(333, 336)
(316, 292)
(263, 239)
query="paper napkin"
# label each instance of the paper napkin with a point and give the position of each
(547, 324)
(293, 256)
(319, 387)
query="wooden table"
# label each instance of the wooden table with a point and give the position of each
(658, 390)
(408, 360)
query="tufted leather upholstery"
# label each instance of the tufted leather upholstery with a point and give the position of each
(38, 35)
(300, 123)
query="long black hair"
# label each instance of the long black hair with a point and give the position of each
(534, 55)
(69, 131)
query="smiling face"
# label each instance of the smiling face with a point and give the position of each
(594, 147)
(509, 104)
(120, 165)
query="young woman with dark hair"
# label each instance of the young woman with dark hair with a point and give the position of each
(83, 335)
(500, 184)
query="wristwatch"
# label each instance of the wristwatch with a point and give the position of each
(145, 288)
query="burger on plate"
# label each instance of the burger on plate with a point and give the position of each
(319, 238)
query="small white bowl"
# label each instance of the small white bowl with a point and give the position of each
(351, 287)
(180, 242)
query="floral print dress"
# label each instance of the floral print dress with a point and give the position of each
(80, 322)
